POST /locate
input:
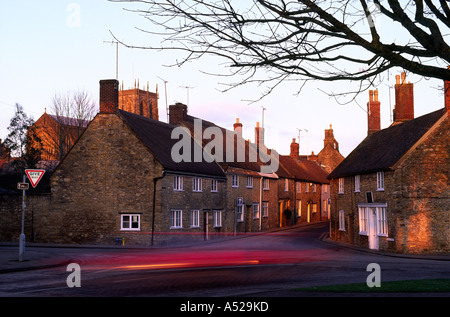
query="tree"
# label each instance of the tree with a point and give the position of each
(17, 138)
(72, 112)
(22, 141)
(327, 40)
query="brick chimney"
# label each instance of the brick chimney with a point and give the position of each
(238, 127)
(177, 113)
(373, 113)
(295, 149)
(404, 99)
(259, 135)
(447, 94)
(109, 95)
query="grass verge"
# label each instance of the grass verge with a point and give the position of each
(410, 286)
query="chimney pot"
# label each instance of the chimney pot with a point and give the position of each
(238, 127)
(373, 113)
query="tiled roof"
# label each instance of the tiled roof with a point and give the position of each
(304, 170)
(381, 150)
(156, 136)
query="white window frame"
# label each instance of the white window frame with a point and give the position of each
(341, 220)
(255, 210)
(249, 182)
(234, 180)
(380, 181)
(178, 183)
(381, 218)
(341, 185)
(357, 183)
(240, 213)
(195, 218)
(130, 221)
(306, 187)
(214, 187)
(265, 209)
(217, 217)
(176, 219)
(286, 185)
(298, 187)
(197, 184)
(314, 187)
(266, 184)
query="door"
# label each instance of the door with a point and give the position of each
(373, 237)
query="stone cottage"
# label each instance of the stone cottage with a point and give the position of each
(391, 192)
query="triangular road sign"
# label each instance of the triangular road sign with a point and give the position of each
(34, 176)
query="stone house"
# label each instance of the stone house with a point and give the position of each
(251, 190)
(303, 189)
(391, 192)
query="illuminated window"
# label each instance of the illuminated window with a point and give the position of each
(130, 222)
(299, 208)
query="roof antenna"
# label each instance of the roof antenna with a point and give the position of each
(165, 90)
(117, 56)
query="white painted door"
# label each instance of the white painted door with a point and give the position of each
(373, 237)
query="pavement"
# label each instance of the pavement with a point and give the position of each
(46, 255)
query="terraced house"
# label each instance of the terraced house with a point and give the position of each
(391, 192)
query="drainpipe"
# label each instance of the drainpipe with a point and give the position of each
(155, 179)
(260, 202)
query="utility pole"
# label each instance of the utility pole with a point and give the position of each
(117, 56)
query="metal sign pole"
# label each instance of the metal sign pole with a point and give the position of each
(22, 234)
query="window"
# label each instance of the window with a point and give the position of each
(197, 184)
(249, 182)
(266, 184)
(255, 211)
(214, 185)
(314, 188)
(363, 220)
(325, 188)
(265, 209)
(357, 183)
(382, 221)
(298, 187)
(299, 208)
(380, 181)
(234, 181)
(195, 216)
(176, 220)
(379, 213)
(130, 222)
(240, 213)
(286, 185)
(306, 187)
(217, 214)
(178, 183)
(314, 208)
(341, 186)
(341, 220)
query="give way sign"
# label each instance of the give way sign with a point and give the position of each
(34, 176)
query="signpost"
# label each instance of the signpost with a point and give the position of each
(34, 176)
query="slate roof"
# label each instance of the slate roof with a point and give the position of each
(156, 136)
(381, 150)
(247, 164)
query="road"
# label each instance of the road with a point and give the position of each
(261, 265)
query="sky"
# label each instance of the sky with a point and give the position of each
(54, 46)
